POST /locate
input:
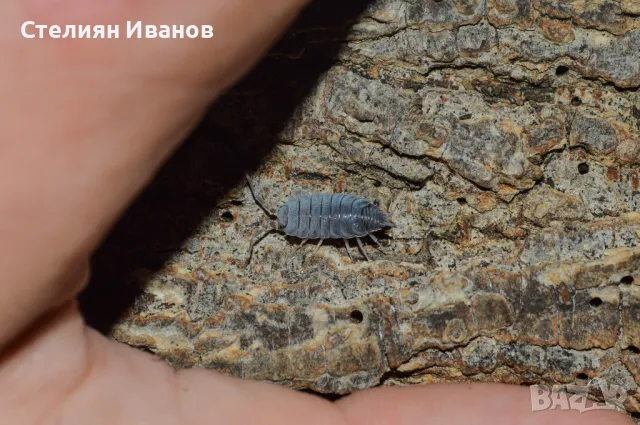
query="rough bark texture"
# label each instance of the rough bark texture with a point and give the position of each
(503, 136)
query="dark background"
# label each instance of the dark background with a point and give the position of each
(236, 135)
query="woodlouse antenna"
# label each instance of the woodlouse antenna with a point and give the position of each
(258, 200)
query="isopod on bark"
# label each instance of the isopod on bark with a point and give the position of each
(324, 216)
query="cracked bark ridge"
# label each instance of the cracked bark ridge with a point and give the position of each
(503, 136)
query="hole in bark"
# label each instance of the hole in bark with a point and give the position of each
(595, 302)
(237, 202)
(635, 415)
(357, 316)
(583, 376)
(462, 201)
(227, 216)
(627, 280)
(377, 184)
(561, 70)
(634, 349)
(583, 168)
(576, 101)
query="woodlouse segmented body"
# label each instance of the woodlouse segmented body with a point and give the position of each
(326, 216)
(330, 216)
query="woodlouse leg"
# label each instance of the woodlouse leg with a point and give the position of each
(362, 249)
(375, 240)
(377, 243)
(302, 243)
(318, 246)
(346, 243)
(257, 198)
(255, 238)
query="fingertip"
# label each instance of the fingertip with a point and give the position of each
(463, 403)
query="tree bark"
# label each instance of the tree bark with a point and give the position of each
(503, 136)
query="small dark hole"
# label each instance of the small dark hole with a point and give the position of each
(627, 280)
(357, 316)
(550, 182)
(237, 202)
(595, 302)
(582, 376)
(561, 70)
(634, 349)
(635, 415)
(377, 184)
(462, 201)
(576, 101)
(227, 216)
(583, 168)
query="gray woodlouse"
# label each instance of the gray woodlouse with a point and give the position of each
(324, 216)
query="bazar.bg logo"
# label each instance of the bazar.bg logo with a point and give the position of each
(576, 397)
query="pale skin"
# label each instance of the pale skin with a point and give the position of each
(85, 126)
